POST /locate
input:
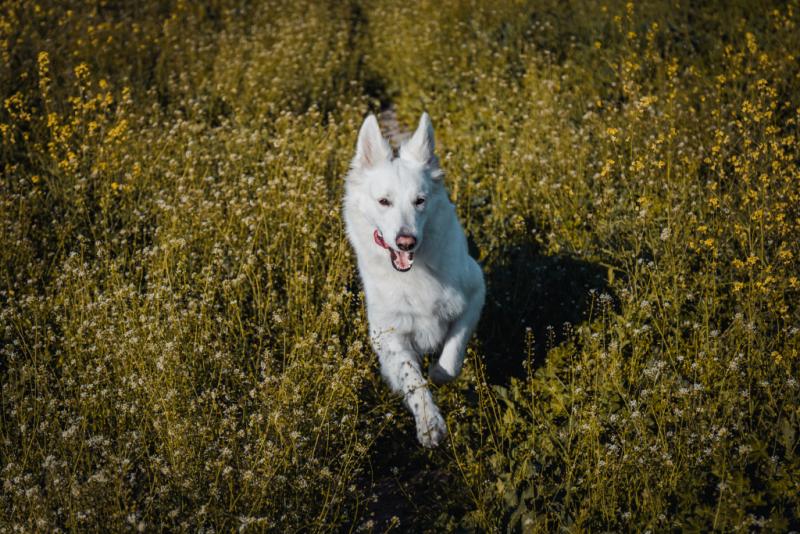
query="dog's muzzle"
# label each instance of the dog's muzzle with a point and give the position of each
(401, 260)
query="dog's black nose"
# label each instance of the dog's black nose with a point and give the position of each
(406, 242)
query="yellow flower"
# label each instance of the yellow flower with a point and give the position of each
(117, 130)
(44, 61)
(82, 71)
(44, 73)
(607, 167)
(752, 44)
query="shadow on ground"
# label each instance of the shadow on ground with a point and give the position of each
(529, 290)
(525, 289)
(411, 487)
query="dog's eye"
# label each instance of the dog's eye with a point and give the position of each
(384, 202)
(419, 202)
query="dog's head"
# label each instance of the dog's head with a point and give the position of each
(396, 195)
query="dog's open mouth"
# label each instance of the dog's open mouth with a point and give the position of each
(401, 261)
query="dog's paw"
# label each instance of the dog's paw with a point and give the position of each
(439, 375)
(431, 429)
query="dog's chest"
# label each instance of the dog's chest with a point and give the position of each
(432, 299)
(420, 306)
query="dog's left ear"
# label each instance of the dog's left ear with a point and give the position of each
(420, 147)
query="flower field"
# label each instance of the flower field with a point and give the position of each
(183, 340)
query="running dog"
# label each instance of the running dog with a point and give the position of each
(424, 292)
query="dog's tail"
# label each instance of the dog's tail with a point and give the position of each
(391, 128)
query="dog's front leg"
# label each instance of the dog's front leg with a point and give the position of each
(448, 367)
(401, 370)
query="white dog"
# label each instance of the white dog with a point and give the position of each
(424, 292)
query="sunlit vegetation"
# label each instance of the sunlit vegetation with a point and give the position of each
(183, 342)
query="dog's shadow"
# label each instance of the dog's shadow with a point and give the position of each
(525, 289)
(530, 298)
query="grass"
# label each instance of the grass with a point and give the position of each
(182, 334)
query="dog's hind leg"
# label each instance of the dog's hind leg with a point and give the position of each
(448, 367)
(401, 370)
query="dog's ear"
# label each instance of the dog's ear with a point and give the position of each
(371, 149)
(420, 147)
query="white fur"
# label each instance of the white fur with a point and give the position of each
(433, 307)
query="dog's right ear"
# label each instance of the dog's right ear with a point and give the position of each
(371, 149)
(421, 145)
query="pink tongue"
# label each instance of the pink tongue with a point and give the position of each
(402, 260)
